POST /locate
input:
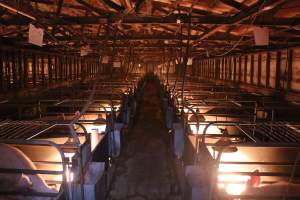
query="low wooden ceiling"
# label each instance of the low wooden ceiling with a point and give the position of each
(151, 28)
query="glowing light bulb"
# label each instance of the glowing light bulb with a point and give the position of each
(233, 184)
(69, 175)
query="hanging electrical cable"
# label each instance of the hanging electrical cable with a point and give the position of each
(129, 61)
(185, 60)
(242, 37)
(168, 68)
(179, 62)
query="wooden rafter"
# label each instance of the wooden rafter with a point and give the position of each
(235, 4)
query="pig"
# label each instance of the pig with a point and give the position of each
(13, 158)
(278, 189)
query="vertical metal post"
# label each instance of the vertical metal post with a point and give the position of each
(34, 69)
(61, 68)
(278, 75)
(230, 68)
(245, 68)
(43, 69)
(226, 68)
(25, 63)
(1, 70)
(78, 68)
(234, 69)
(56, 68)
(252, 69)
(66, 66)
(289, 68)
(8, 71)
(217, 71)
(259, 70)
(240, 69)
(50, 71)
(14, 70)
(20, 71)
(222, 68)
(268, 63)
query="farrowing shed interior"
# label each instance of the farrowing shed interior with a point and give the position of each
(149, 99)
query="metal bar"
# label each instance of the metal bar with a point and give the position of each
(14, 70)
(65, 67)
(43, 69)
(280, 145)
(7, 71)
(268, 68)
(1, 70)
(286, 164)
(40, 132)
(20, 70)
(248, 135)
(271, 133)
(34, 62)
(23, 131)
(282, 131)
(56, 70)
(30, 171)
(290, 68)
(77, 68)
(259, 70)
(50, 71)
(293, 134)
(226, 68)
(278, 74)
(14, 131)
(257, 173)
(264, 197)
(31, 193)
(245, 68)
(252, 69)
(26, 68)
(234, 69)
(240, 69)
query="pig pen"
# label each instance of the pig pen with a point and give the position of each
(243, 164)
(56, 153)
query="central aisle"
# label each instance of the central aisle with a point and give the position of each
(144, 171)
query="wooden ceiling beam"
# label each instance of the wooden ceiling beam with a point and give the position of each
(93, 9)
(48, 2)
(70, 20)
(66, 4)
(113, 5)
(235, 4)
(242, 16)
(217, 37)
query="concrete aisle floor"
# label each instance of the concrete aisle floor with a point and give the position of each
(145, 171)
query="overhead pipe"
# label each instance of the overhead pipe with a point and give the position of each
(17, 11)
